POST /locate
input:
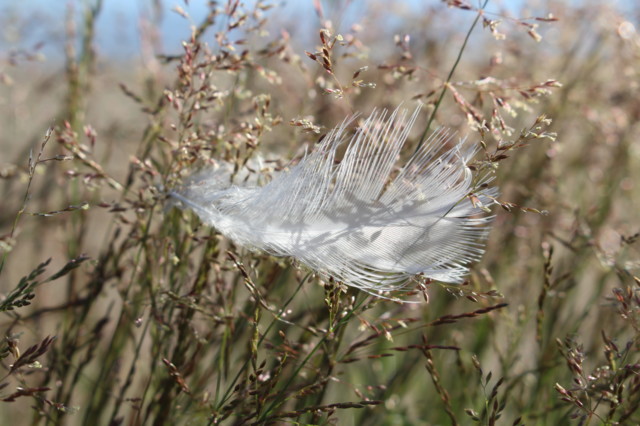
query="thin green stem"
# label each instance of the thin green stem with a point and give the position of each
(295, 374)
(227, 394)
(32, 170)
(445, 85)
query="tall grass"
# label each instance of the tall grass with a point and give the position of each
(119, 309)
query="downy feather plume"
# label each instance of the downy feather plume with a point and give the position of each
(361, 221)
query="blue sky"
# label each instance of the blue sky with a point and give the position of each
(27, 22)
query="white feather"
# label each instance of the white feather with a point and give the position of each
(354, 221)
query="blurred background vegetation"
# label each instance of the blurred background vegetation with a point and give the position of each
(159, 320)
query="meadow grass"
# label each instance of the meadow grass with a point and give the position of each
(120, 309)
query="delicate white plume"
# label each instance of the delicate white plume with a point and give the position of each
(362, 221)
